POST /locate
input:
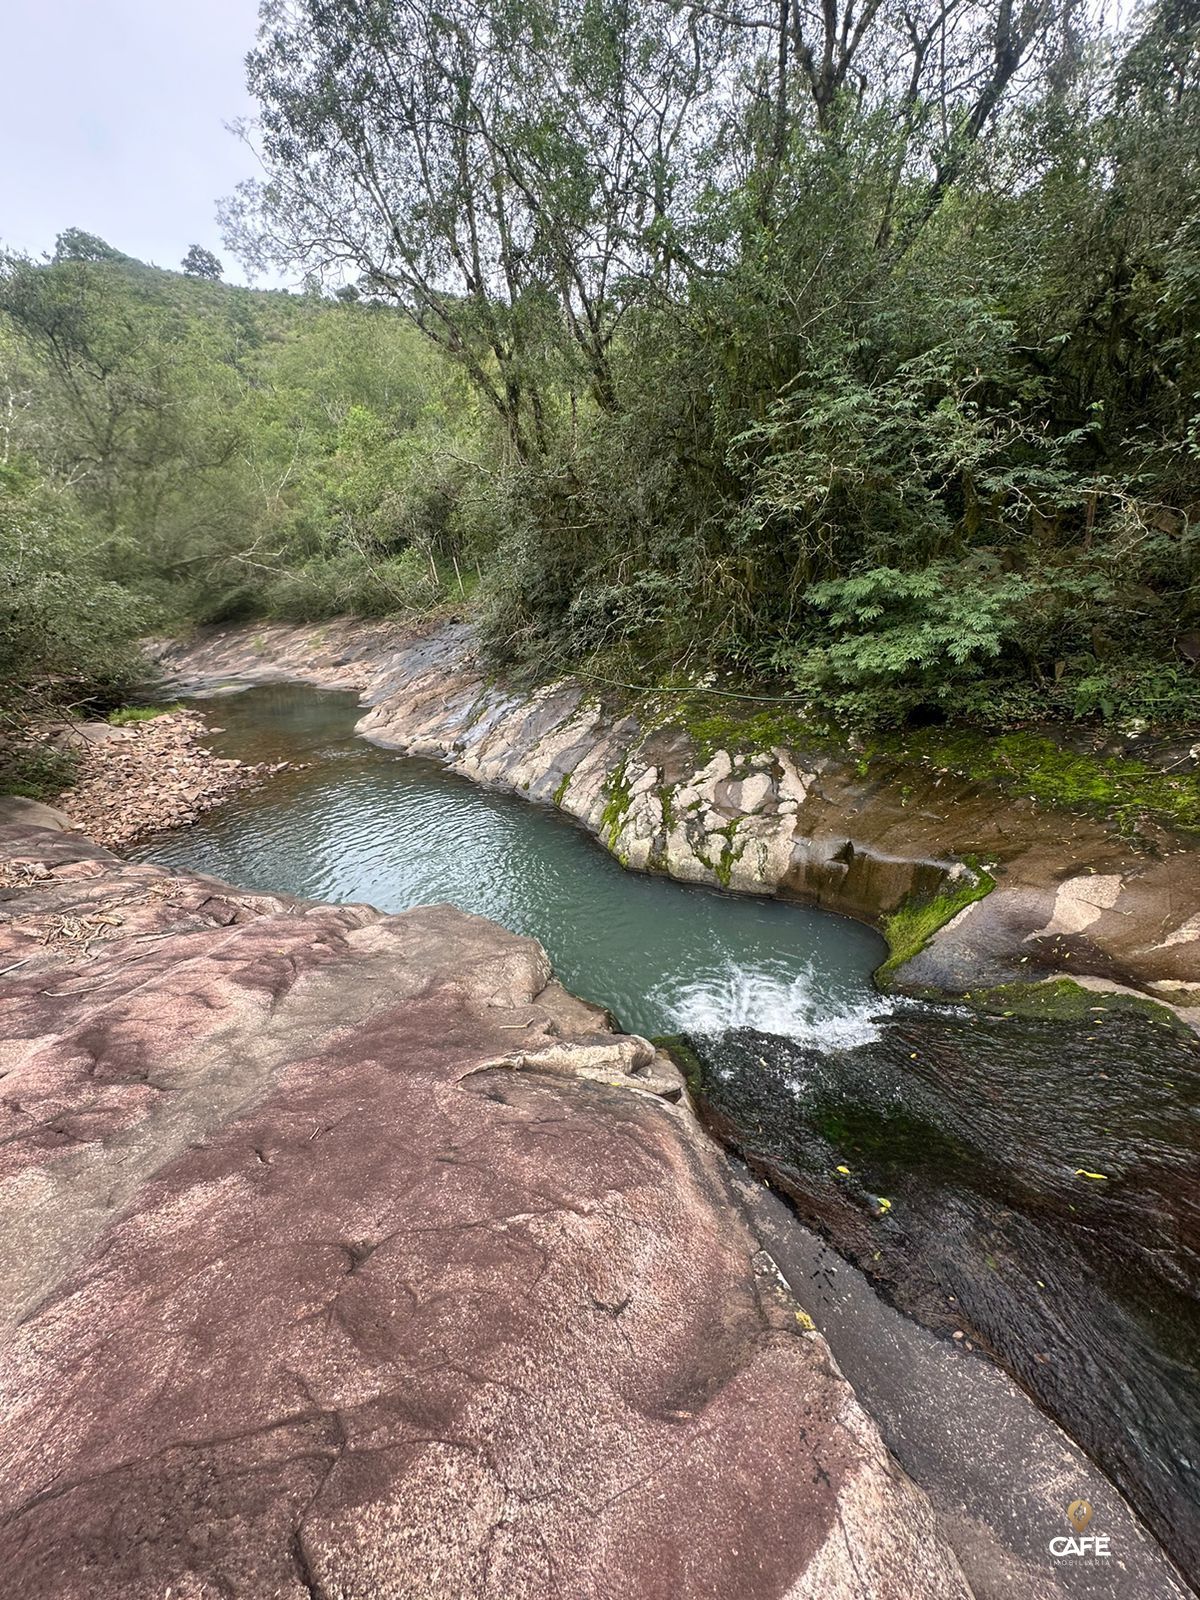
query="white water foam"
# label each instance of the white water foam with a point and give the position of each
(788, 1004)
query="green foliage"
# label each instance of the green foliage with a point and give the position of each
(172, 448)
(201, 263)
(200, 425)
(886, 391)
(124, 716)
(895, 638)
(859, 353)
(74, 244)
(335, 585)
(36, 771)
(66, 631)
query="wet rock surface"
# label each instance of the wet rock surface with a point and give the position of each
(998, 1472)
(1071, 897)
(349, 1255)
(1025, 1187)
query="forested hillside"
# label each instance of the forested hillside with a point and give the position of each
(852, 351)
(176, 449)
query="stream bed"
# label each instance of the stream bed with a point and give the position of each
(1030, 1185)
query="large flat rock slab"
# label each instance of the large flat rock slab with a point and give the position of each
(16, 810)
(348, 1256)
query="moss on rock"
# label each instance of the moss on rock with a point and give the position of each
(684, 1057)
(735, 726)
(616, 808)
(1064, 1000)
(1122, 789)
(909, 929)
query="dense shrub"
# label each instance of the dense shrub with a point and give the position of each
(66, 631)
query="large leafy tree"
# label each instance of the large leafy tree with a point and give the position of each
(202, 263)
(134, 415)
(777, 296)
(508, 174)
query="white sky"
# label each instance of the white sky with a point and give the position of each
(112, 119)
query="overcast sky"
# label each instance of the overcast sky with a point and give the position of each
(112, 119)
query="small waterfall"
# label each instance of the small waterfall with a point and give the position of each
(793, 1005)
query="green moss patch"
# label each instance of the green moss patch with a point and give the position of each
(728, 852)
(1063, 1000)
(1119, 789)
(612, 818)
(684, 1057)
(714, 723)
(910, 929)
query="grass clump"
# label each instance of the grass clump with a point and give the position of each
(1122, 789)
(36, 772)
(124, 716)
(909, 929)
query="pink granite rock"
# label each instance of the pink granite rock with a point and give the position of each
(348, 1256)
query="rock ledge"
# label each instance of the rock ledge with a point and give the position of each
(1071, 899)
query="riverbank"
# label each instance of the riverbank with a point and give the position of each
(422, 1279)
(975, 890)
(148, 774)
(1021, 1181)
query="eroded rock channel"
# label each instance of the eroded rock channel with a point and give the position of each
(348, 1254)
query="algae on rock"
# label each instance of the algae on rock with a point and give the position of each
(910, 929)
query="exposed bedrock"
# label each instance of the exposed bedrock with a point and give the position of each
(348, 1255)
(1071, 896)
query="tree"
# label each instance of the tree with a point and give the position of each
(499, 171)
(201, 263)
(138, 414)
(73, 244)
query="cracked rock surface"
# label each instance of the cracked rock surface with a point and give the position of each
(348, 1256)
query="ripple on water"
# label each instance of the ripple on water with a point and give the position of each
(974, 1130)
(359, 824)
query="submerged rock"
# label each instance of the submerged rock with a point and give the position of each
(347, 1254)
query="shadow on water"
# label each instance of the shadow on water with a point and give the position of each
(975, 1131)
